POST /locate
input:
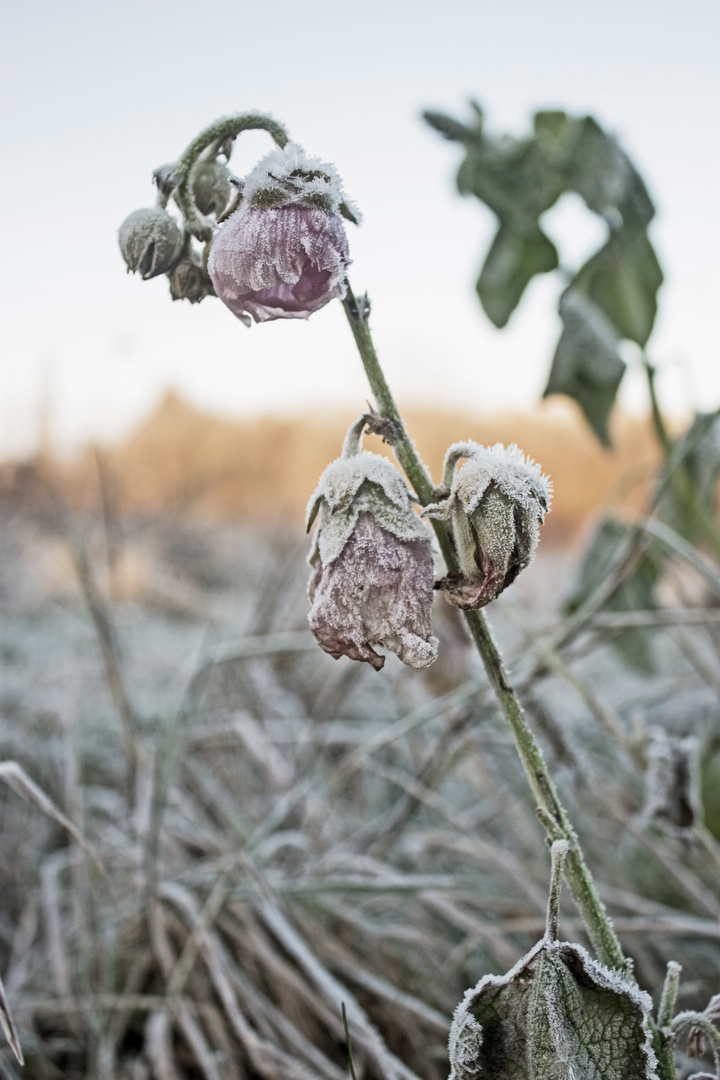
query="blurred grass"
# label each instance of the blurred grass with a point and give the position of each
(185, 459)
(280, 833)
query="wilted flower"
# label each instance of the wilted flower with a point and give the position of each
(150, 241)
(283, 253)
(372, 579)
(495, 506)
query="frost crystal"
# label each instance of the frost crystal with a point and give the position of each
(372, 582)
(495, 506)
(283, 253)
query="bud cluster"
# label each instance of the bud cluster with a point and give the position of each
(273, 244)
(372, 580)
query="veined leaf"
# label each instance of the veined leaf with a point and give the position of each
(557, 1015)
(511, 263)
(587, 364)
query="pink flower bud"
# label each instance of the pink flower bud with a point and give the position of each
(372, 580)
(283, 253)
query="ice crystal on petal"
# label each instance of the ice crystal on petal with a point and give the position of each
(300, 178)
(496, 504)
(282, 263)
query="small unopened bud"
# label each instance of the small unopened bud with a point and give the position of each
(372, 580)
(211, 187)
(189, 281)
(495, 506)
(150, 242)
(283, 253)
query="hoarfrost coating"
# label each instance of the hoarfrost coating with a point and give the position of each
(495, 505)
(283, 253)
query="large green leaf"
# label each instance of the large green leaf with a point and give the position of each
(587, 364)
(513, 260)
(592, 164)
(513, 178)
(623, 279)
(558, 1015)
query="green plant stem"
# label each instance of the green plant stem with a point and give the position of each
(661, 431)
(577, 874)
(228, 127)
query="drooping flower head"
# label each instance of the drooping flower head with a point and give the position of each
(495, 505)
(372, 579)
(283, 253)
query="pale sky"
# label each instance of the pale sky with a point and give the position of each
(98, 93)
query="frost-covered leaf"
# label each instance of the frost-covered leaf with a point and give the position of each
(637, 593)
(587, 364)
(511, 263)
(557, 1015)
(623, 279)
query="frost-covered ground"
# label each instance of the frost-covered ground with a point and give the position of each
(330, 833)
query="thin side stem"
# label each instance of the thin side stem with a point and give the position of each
(228, 127)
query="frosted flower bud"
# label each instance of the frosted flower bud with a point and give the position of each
(283, 253)
(150, 241)
(211, 187)
(189, 281)
(495, 506)
(372, 578)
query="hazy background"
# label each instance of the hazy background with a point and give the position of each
(97, 94)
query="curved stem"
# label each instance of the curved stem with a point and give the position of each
(227, 127)
(577, 874)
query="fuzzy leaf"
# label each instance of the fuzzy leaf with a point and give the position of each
(511, 263)
(623, 279)
(587, 364)
(558, 1015)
